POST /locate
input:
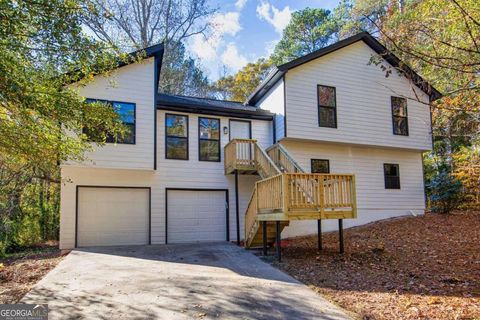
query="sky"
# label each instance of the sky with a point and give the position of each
(245, 30)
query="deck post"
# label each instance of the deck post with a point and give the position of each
(278, 243)
(340, 234)
(237, 213)
(264, 229)
(319, 228)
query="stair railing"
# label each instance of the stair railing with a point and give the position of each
(288, 164)
(268, 171)
(251, 222)
(265, 166)
(282, 158)
(285, 186)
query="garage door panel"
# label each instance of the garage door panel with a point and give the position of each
(195, 216)
(112, 216)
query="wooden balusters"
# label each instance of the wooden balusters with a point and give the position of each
(284, 161)
(270, 194)
(251, 215)
(320, 191)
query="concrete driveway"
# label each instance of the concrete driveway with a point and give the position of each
(200, 281)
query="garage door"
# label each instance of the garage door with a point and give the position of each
(113, 216)
(195, 216)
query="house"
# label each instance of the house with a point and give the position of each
(327, 136)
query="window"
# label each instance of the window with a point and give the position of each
(327, 106)
(399, 116)
(176, 136)
(209, 139)
(320, 166)
(126, 113)
(392, 176)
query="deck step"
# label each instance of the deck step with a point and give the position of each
(257, 239)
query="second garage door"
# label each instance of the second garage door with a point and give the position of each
(196, 215)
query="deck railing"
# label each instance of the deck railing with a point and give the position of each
(290, 192)
(246, 155)
(286, 191)
(321, 192)
(239, 155)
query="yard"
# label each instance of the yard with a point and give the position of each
(424, 267)
(20, 272)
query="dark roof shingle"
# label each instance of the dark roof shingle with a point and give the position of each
(210, 106)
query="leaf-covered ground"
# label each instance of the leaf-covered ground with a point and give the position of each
(20, 272)
(424, 267)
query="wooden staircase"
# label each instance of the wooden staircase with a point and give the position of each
(286, 192)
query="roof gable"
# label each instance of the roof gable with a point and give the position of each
(373, 43)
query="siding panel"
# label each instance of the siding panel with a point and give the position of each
(373, 200)
(131, 83)
(273, 101)
(363, 101)
(169, 174)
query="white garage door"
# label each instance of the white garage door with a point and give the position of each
(195, 216)
(113, 216)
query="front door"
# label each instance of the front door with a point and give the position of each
(240, 129)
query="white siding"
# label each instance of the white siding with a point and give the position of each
(373, 200)
(169, 174)
(363, 101)
(274, 102)
(200, 174)
(131, 83)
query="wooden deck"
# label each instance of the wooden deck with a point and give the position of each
(286, 192)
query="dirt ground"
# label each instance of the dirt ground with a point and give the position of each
(424, 267)
(20, 272)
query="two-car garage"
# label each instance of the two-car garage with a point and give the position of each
(109, 216)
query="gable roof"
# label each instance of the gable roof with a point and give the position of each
(211, 107)
(148, 52)
(155, 51)
(278, 71)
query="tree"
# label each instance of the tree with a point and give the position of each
(467, 170)
(182, 75)
(309, 30)
(240, 85)
(440, 40)
(43, 48)
(437, 38)
(444, 191)
(137, 24)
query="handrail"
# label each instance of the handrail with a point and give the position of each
(292, 191)
(246, 154)
(265, 166)
(283, 159)
(251, 214)
(240, 140)
(270, 194)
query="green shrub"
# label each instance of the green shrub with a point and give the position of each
(444, 191)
